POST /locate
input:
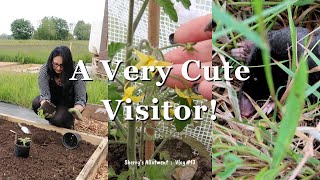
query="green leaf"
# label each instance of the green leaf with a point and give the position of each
(233, 97)
(159, 171)
(313, 90)
(260, 175)
(186, 3)
(312, 55)
(121, 136)
(274, 172)
(293, 34)
(124, 175)
(111, 172)
(231, 163)
(113, 132)
(240, 27)
(303, 2)
(180, 125)
(267, 12)
(258, 134)
(165, 155)
(168, 9)
(292, 114)
(113, 48)
(195, 144)
(41, 114)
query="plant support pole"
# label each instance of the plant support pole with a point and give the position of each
(153, 37)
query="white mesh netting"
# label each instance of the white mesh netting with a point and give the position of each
(117, 25)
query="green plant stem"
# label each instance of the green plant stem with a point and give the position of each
(171, 46)
(139, 15)
(160, 53)
(147, 45)
(160, 146)
(121, 128)
(116, 142)
(180, 79)
(250, 3)
(141, 149)
(119, 81)
(129, 35)
(131, 145)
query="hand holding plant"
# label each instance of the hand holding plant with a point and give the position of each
(76, 113)
(192, 32)
(47, 110)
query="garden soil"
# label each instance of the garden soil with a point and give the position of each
(49, 159)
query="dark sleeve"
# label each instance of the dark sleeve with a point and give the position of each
(80, 91)
(43, 83)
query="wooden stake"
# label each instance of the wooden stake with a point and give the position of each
(153, 37)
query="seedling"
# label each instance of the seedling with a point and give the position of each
(25, 140)
(40, 113)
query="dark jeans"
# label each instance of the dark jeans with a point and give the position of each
(62, 118)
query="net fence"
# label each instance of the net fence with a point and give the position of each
(117, 32)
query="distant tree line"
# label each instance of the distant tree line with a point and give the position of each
(50, 28)
(5, 36)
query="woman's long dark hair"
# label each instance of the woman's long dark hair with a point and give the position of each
(68, 65)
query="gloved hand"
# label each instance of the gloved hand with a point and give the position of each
(76, 113)
(47, 109)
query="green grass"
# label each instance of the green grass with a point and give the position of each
(18, 89)
(265, 147)
(38, 51)
(22, 88)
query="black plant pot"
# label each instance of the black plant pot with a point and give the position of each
(21, 150)
(71, 140)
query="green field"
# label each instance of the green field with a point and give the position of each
(22, 88)
(38, 51)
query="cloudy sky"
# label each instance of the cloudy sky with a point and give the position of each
(34, 10)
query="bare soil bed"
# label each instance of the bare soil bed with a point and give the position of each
(18, 67)
(49, 159)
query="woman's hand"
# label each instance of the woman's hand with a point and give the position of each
(48, 109)
(76, 112)
(194, 31)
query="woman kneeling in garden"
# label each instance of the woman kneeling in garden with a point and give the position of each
(60, 100)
